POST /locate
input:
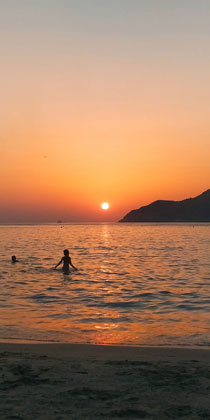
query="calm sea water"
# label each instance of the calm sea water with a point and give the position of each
(137, 284)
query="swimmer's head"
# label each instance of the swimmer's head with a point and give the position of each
(14, 258)
(66, 252)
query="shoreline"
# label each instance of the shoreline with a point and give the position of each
(76, 381)
(107, 351)
(32, 342)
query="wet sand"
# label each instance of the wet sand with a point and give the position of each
(63, 381)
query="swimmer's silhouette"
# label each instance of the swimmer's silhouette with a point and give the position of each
(14, 259)
(66, 260)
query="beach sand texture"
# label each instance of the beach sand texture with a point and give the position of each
(63, 381)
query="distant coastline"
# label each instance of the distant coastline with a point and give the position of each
(191, 210)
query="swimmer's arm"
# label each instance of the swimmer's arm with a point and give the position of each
(60, 262)
(73, 265)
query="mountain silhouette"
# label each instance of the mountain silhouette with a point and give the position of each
(195, 209)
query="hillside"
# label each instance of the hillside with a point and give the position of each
(195, 209)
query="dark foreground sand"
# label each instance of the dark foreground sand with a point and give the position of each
(50, 382)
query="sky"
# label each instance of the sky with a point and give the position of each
(102, 101)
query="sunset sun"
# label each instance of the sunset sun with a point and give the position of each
(105, 206)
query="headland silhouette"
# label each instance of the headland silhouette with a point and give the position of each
(195, 209)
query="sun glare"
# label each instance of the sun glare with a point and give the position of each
(105, 206)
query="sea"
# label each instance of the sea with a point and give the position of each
(136, 284)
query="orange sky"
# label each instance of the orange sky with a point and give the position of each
(102, 103)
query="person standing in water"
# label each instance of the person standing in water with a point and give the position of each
(14, 259)
(66, 260)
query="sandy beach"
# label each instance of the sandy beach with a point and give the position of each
(66, 381)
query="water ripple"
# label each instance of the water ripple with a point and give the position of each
(136, 284)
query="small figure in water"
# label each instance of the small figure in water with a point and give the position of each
(66, 260)
(14, 259)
